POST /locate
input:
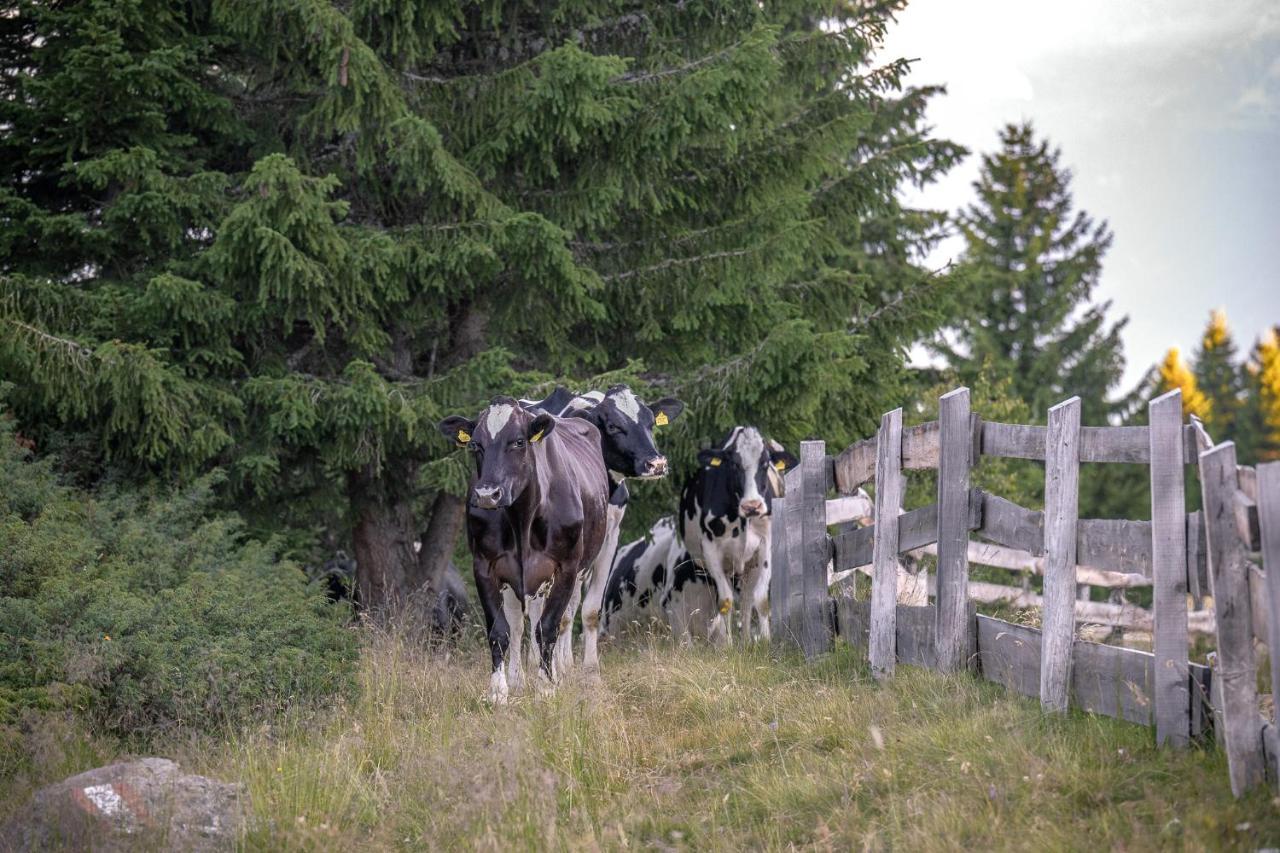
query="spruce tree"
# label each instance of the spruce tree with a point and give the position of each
(285, 237)
(1030, 265)
(1218, 375)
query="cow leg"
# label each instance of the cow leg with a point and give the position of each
(514, 611)
(719, 631)
(755, 598)
(564, 642)
(549, 624)
(499, 633)
(534, 606)
(597, 580)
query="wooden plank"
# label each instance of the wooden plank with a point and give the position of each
(955, 447)
(1246, 518)
(816, 549)
(1002, 557)
(1113, 681)
(848, 508)
(1127, 616)
(853, 620)
(1009, 654)
(1114, 544)
(884, 559)
(1006, 523)
(1168, 552)
(920, 445)
(1229, 569)
(1012, 441)
(1201, 700)
(795, 556)
(915, 635)
(854, 546)
(1062, 496)
(779, 609)
(1197, 560)
(855, 465)
(1267, 489)
(1115, 444)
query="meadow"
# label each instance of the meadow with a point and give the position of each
(697, 748)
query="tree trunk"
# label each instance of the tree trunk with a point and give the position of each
(447, 512)
(382, 538)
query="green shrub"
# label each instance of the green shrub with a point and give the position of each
(145, 611)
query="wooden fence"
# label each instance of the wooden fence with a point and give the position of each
(1180, 555)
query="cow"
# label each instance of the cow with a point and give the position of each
(725, 510)
(639, 578)
(626, 424)
(536, 519)
(654, 579)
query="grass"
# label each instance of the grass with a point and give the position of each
(714, 750)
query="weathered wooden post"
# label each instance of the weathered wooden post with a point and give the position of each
(779, 611)
(1229, 573)
(816, 551)
(882, 646)
(1169, 570)
(1269, 524)
(955, 446)
(795, 556)
(1061, 511)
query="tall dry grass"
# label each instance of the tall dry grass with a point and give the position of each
(716, 750)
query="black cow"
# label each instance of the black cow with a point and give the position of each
(626, 424)
(535, 520)
(725, 523)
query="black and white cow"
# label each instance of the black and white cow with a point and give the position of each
(626, 424)
(640, 578)
(654, 579)
(536, 520)
(725, 523)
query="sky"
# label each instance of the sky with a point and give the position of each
(1167, 114)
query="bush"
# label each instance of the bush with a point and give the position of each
(145, 611)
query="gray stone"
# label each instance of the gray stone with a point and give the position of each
(149, 804)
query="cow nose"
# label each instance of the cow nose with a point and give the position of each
(488, 498)
(751, 507)
(656, 467)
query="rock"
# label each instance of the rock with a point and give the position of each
(146, 804)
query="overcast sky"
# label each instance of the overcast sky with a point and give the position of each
(1168, 115)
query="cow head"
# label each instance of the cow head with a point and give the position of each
(626, 427)
(501, 438)
(748, 462)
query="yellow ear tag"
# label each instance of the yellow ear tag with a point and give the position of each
(781, 466)
(661, 419)
(464, 437)
(715, 462)
(537, 436)
(726, 606)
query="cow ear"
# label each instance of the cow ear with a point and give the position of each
(666, 410)
(540, 427)
(458, 429)
(782, 460)
(710, 458)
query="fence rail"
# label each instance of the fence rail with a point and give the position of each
(1180, 555)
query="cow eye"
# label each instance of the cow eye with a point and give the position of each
(613, 429)
(517, 444)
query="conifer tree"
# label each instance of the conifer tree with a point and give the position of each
(1030, 266)
(1260, 412)
(1173, 374)
(285, 237)
(1218, 375)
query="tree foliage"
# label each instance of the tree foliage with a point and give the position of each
(1030, 266)
(284, 237)
(1174, 375)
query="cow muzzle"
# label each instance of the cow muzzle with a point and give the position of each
(486, 498)
(751, 508)
(655, 467)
